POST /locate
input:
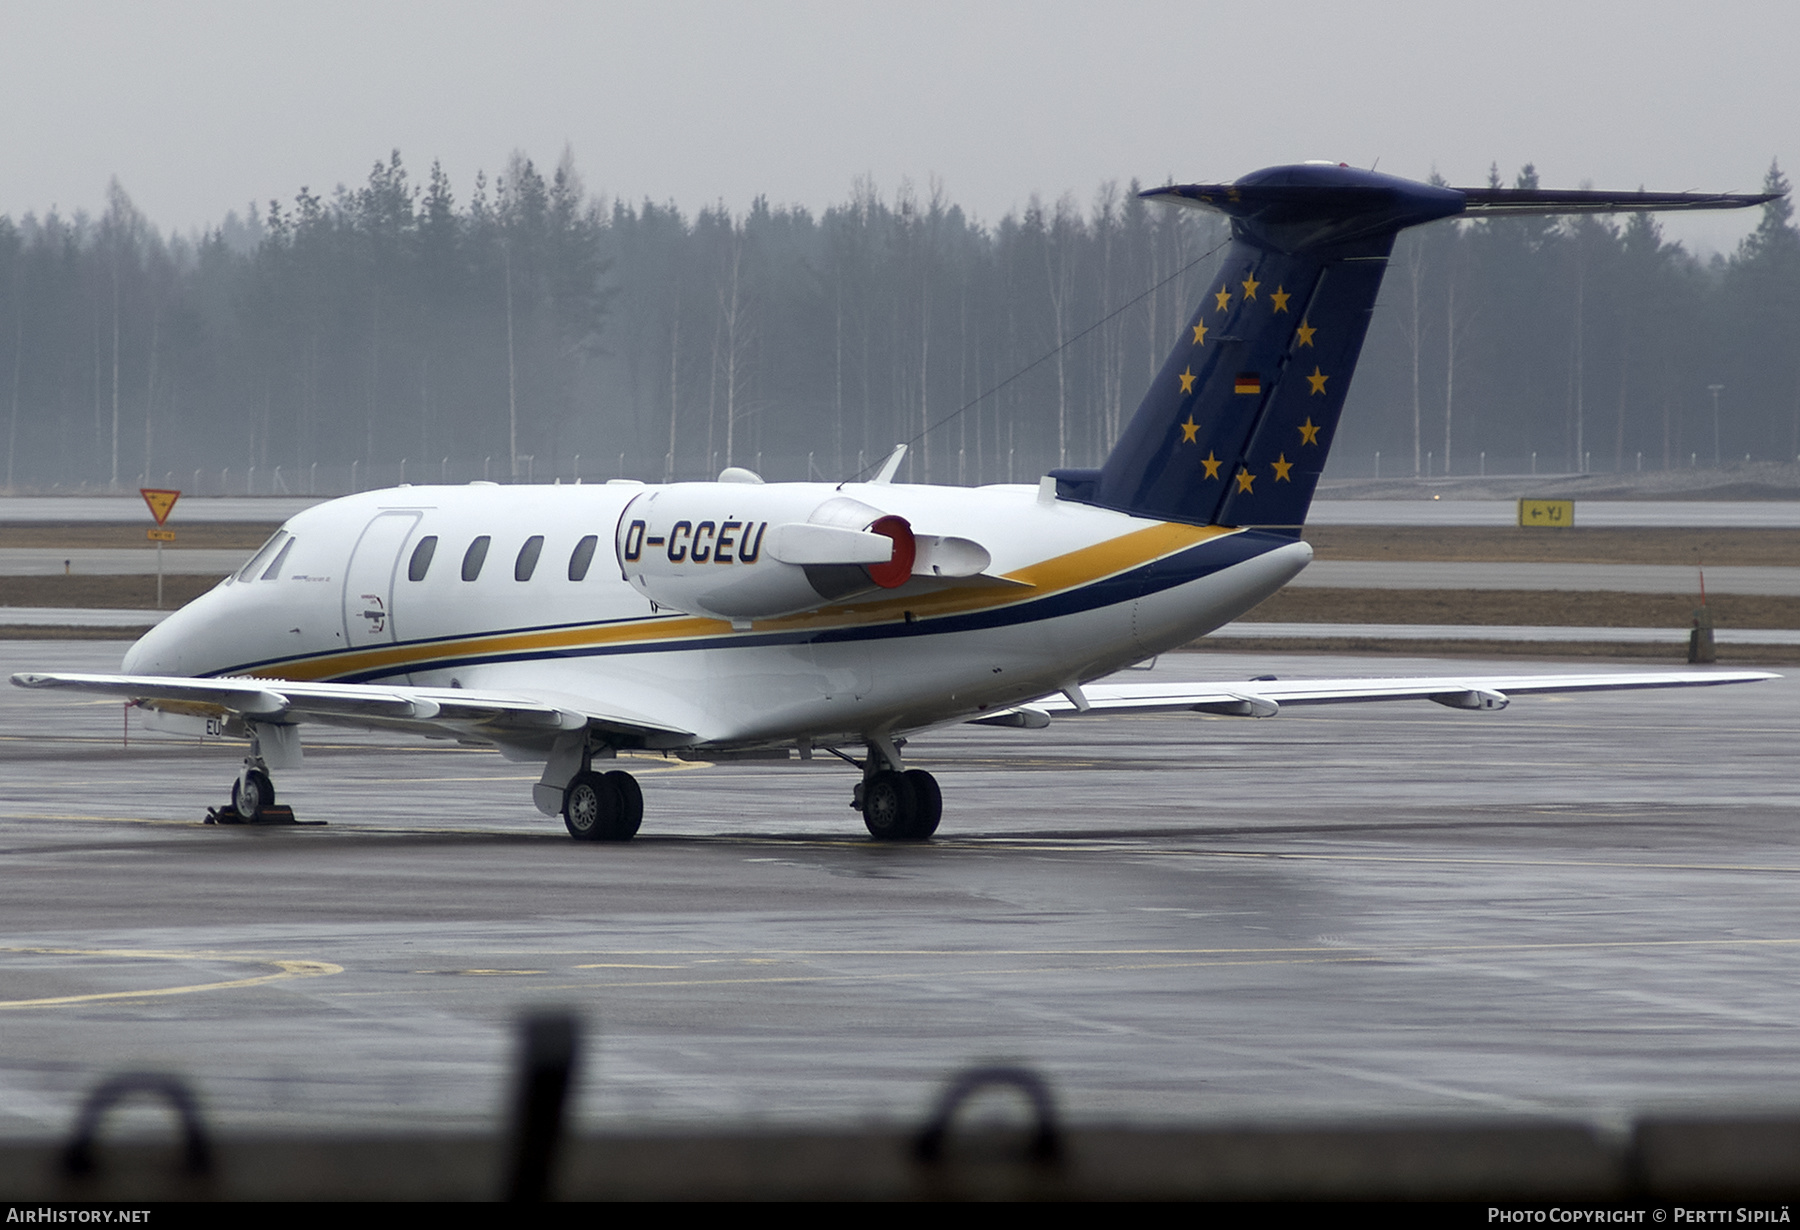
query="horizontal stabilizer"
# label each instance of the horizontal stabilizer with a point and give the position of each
(1519, 202)
(1310, 194)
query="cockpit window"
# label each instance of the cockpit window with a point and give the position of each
(261, 559)
(421, 558)
(273, 571)
(583, 557)
(526, 564)
(475, 557)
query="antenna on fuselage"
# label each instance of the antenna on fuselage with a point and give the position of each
(891, 466)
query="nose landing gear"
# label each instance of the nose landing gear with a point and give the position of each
(251, 792)
(253, 799)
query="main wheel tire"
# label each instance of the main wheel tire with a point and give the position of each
(890, 806)
(930, 804)
(251, 793)
(591, 808)
(631, 803)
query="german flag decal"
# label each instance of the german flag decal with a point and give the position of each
(1248, 382)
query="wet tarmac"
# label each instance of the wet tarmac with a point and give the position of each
(1583, 907)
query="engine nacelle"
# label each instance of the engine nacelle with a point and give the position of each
(748, 551)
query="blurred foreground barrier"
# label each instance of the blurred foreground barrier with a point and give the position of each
(1732, 1160)
(949, 1157)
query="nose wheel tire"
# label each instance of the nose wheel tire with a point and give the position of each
(251, 793)
(603, 807)
(902, 806)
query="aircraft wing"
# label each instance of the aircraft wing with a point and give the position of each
(1266, 697)
(495, 716)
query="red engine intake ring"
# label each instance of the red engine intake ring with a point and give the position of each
(895, 572)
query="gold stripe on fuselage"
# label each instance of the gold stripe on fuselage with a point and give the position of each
(1060, 573)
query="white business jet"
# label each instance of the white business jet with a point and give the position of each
(564, 624)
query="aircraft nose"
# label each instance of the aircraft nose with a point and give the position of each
(140, 658)
(158, 651)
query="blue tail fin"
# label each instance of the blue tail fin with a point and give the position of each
(1236, 427)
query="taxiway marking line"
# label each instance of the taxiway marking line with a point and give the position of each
(23, 815)
(505, 827)
(1344, 956)
(1476, 862)
(866, 976)
(481, 973)
(757, 954)
(1207, 959)
(1075, 845)
(286, 969)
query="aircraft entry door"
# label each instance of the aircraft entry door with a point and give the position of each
(369, 580)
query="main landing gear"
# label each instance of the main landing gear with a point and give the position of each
(594, 806)
(602, 806)
(897, 804)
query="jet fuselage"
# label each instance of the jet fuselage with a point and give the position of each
(1070, 592)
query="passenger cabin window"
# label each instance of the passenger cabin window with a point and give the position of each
(260, 560)
(421, 558)
(273, 571)
(475, 557)
(583, 557)
(526, 564)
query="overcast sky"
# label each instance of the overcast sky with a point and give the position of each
(200, 107)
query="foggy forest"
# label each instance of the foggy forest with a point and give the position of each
(524, 329)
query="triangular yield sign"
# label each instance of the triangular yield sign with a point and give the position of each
(160, 501)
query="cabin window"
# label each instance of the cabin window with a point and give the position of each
(274, 570)
(475, 557)
(421, 558)
(583, 557)
(260, 560)
(526, 564)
